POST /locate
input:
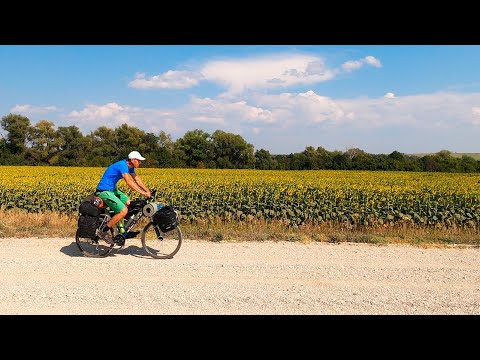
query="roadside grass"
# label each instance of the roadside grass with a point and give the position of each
(19, 223)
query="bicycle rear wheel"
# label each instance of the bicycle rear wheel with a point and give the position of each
(160, 245)
(93, 248)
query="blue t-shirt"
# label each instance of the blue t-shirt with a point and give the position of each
(113, 174)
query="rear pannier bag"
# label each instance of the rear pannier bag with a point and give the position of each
(166, 218)
(87, 226)
(87, 208)
(89, 219)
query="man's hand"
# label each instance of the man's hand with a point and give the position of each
(148, 194)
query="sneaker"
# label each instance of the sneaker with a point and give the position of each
(132, 234)
(106, 236)
(119, 240)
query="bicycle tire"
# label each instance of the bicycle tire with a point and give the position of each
(160, 245)
(92, 248)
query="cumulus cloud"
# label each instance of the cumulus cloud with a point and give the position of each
(172, 79)
(95, 112)
(317, 120)
(476, 115)
(113, 115)
(267, 72)
(351, 65)
(278, 71)
(389, 95)
(33, 110)
(302, 108)
(220, 111)
(435, 110)
(371, 60)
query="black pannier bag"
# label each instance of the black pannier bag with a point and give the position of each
(166, 218)
(89, 219)
(87, 226)
(87, 208)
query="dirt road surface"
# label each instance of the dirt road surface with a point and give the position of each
(51, 276)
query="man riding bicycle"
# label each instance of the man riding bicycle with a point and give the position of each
(115, 199)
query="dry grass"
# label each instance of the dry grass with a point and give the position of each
(19, 223)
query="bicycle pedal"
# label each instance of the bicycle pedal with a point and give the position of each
(119, 240)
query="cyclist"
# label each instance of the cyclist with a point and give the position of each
(115, 199)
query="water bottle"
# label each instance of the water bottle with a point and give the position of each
(121, 227)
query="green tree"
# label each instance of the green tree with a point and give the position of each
(17, 127)
(167, 154)
(310, 158)
(232, 151)
(44, 143)
(195, 148)
(103, 150)
(340, 161)
(73, 147)
(468, 164)
(324, 158)
(263, 160)
(129, 138)
(446, 162)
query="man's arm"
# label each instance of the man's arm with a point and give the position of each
(134, 185)
(140, 183)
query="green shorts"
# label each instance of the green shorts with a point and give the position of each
(115, 200)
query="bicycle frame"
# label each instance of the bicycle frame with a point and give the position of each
(134, 215)
(158, 244)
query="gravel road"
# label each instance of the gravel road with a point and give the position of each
(51, 276)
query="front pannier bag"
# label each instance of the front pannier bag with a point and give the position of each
(166, 218)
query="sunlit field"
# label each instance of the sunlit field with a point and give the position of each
(317, 205)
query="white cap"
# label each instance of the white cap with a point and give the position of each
(135, 155)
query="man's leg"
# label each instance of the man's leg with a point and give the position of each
(117, 217)
(124, 209)
(116, 204)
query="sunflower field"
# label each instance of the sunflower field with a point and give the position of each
(297, 197)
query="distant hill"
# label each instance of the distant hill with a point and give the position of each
(476, 156)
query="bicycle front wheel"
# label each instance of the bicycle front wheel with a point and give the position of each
(92, 248)
(160, 245)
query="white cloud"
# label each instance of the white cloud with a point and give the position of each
(113, 115)
(351, 65)
(237, 76)
(303, 108)
(446, 110)
(289, 122)
(371, 60)
(267, 72)
(223, 112)
(33, 110)
(172, 79)
(95, 112)
(476, 115)
(389, 95)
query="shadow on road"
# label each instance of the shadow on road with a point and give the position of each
(73, 251)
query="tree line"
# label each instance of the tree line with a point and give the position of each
(42, 144)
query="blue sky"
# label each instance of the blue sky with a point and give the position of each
(379, 98)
